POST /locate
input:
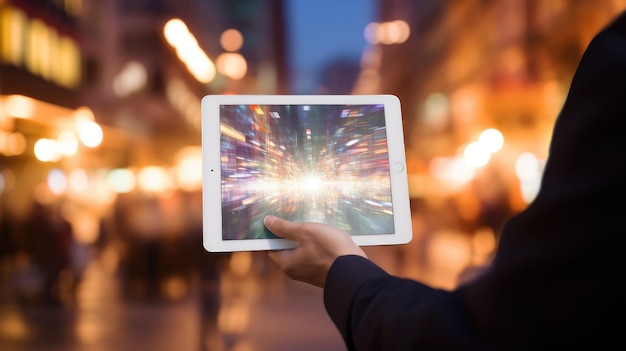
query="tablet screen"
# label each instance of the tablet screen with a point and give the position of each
(307, 163)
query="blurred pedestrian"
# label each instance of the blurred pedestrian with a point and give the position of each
(45, 247)
(555, 282)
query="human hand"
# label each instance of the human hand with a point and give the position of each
(318, 247)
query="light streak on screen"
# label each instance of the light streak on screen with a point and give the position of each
(314, 163)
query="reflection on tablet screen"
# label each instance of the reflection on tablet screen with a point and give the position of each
(313, 163)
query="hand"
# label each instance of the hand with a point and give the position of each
(318, 247)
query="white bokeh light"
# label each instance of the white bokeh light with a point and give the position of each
(492, 139)
(90, 134)
(476, 155)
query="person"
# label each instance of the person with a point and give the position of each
(555, 281)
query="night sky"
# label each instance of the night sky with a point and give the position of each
(321, 32)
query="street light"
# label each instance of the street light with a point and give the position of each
(189, 52)
(232, 65)
(392, 32)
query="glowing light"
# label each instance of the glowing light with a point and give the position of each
(174, 30)
(184, 101)
(311, 183)
(396, 32)
(451, 169)
(132, 78)
(67, 143)
(231, 132)
(189, 52)
(154, 179)
(392, 32)
(78, 181)
(232, 65)
(6, 122)
(90, 134)
(491, 139)
(527, 166)
(46, 150)
(19, 106)
(99, 191)
(476, 155)
(86, 227)
(121, 180)
(436, 110)
(57, 182)
(352, 142)
(258, 110)
(83, 114)
(16, 144)
(189, 168)
(529, 170)
(231, 40)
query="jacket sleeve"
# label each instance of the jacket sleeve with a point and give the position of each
(556, 277)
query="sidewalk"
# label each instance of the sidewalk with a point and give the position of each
(294, 321)
(286, 316)
(100, 321)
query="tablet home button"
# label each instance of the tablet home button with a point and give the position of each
(398, 167)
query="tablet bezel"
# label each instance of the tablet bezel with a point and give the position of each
(211, 165)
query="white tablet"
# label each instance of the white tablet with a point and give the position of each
(335, 159)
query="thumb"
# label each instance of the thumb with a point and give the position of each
(279, 227)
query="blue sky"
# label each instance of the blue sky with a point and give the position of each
(320, 31)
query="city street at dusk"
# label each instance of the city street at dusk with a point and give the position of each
(101, 164)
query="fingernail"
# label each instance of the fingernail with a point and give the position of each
(269, 219)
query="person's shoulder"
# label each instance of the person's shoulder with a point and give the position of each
(617, 26)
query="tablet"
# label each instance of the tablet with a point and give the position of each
(334, 159)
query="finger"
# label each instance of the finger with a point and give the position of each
(280, 227)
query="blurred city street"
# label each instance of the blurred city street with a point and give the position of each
(291, 317)
(101, 155)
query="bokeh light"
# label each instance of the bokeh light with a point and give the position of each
(529, 171)
(189, 168)
(90, 134)
(79, 182)
(189, 52)
(231, 40)
(57, 181)
(476, 154)
(121, 180)
(492, 139)
(154, 179)
(132, 78)
(46, 150)
(232, 65)
(451, 169)
(19, 106)
(392, 32)
(67, 143)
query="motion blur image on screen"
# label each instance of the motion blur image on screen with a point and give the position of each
(314, 163)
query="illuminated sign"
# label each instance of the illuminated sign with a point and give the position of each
(38, 48)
